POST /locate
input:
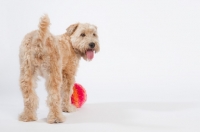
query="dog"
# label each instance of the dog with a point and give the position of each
(56, 58)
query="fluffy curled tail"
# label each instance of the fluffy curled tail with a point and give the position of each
(44, 27)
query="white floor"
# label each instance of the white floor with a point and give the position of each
(107, 117)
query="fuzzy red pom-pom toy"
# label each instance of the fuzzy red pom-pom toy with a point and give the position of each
(79, 95)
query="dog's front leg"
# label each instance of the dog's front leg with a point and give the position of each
(53, 84)
(67, 91)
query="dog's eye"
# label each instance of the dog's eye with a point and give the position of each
(94, 34)
(82, 34)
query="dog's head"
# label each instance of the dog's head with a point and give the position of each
(84, 39)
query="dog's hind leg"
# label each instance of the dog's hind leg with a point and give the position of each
(53, 84)
(27, 85)
(54, 100)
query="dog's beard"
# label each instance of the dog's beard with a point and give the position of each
(88, 54)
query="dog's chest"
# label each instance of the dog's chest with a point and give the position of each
(70, 64)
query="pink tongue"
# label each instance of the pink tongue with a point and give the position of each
(89, 54)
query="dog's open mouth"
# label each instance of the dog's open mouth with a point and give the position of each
(89, 54)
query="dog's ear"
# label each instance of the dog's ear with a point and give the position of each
(71, 29)
(95, 27)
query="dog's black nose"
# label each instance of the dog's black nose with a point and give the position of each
(92, 45)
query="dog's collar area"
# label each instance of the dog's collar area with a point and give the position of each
(78, 52)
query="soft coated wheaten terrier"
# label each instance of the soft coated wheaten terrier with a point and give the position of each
(55, 58)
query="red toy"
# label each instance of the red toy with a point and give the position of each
(79, 95)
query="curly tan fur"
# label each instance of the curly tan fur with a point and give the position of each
(55, 58)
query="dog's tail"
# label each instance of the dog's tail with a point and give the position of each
(44, 27)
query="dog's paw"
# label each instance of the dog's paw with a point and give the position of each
(55, 119)
(70, 108)
(26, 117)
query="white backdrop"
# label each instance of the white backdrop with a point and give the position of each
(150, 50)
